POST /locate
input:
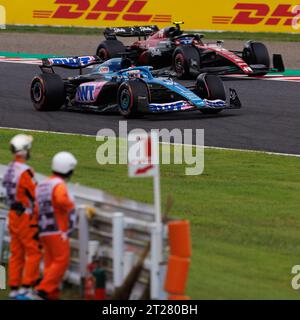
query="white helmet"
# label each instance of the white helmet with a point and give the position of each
(21, 144)
(63, 163)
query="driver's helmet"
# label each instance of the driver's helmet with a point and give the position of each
(126, 63)
(172, 32)
(133, 74)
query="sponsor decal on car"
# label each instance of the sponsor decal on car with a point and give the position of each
(186, 41)
(86, 93)
(89, 92)
(173, 106)
(233, 57)
(72, 62)
(104, 70)
(215, 103)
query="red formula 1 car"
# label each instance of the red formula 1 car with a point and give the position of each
(187, 53)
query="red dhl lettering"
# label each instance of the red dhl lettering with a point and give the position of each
(260, 13)
(127, 10)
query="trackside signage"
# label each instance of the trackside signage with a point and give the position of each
(229, 15)
(142, 155)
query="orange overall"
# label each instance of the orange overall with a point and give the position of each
(25, 255)
(56, 214)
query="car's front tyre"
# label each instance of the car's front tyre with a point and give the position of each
(133, 98)
(256, 53)
(210, 87)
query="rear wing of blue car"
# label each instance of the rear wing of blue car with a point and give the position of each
(76, 63)
(137, 31)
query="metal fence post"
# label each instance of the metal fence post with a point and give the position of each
(2, 232)
(83, 248)
(118, 249)
(163, 272)
(156, 244)
(129, 261)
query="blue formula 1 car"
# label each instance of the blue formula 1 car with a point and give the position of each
(117, 85)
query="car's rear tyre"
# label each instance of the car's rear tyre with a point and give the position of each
(109, 49)
(182, 59)
(133, 98)
(47, 92)
(210, 87)
(256, 53)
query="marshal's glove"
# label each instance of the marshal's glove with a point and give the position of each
(90, 212)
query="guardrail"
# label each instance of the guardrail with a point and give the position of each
(118, 233)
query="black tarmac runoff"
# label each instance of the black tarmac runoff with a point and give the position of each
(269, 120)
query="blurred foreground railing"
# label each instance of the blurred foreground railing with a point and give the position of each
(118, 233)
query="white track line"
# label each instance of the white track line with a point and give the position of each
(279, 77)
(166, 143)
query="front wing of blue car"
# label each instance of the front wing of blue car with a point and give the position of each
(234, 103)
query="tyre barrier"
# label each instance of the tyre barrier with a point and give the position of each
(180, 239)
(179, 259)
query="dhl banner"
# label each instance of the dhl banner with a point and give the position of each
(227, 15)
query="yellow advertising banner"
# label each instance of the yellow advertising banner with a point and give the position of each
(228, 15)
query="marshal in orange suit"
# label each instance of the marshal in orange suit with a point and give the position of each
(20, 185)
(56, 215)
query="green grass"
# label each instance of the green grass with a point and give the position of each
(244, 212)
(262, 36)
(69, 292)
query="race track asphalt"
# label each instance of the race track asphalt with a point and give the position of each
(269, 120)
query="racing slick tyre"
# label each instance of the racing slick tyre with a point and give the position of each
(210, 87)
(133, 98)
(256, 53)
(183, 58)
(109, 49)
(48, 92)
